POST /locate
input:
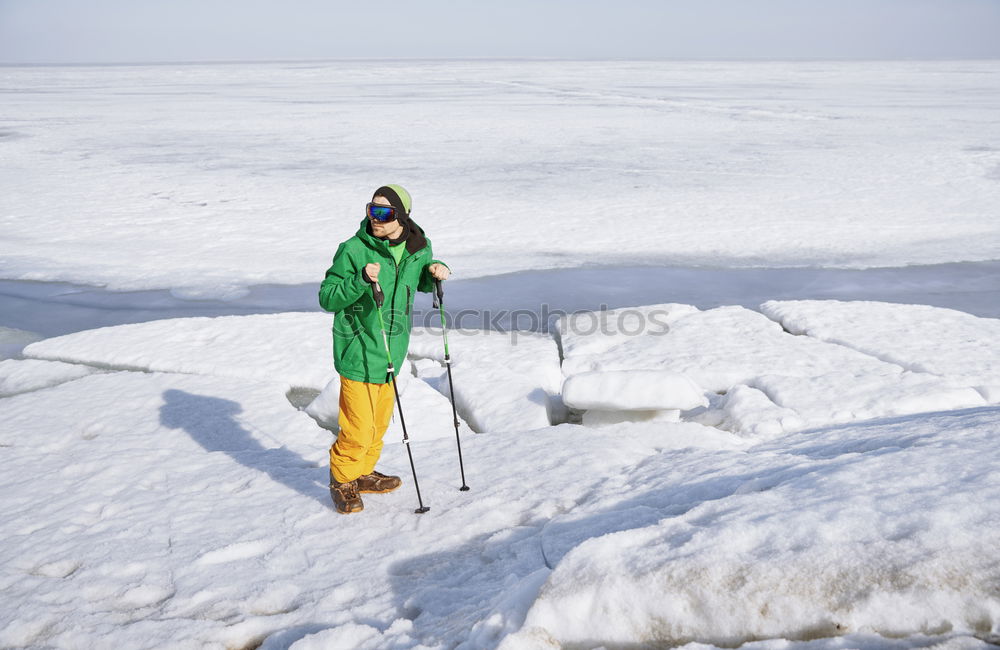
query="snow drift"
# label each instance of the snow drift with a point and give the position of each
(888, 529)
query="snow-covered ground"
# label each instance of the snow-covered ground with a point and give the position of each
(714, 461)
(178, 484)
(206, 179)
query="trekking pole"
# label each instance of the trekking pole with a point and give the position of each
(379, 299)
(439, 299)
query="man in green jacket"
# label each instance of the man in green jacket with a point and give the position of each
(391, 250)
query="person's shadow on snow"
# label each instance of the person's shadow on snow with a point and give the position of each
(211, 422)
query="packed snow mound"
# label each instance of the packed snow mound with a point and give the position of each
(503, 381)
(885, 528)
(632, 390)
(920, 338)
(294, 348)
(799, 381)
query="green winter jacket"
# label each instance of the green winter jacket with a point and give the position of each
(358, 349)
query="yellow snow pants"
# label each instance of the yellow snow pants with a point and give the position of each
(365, 410)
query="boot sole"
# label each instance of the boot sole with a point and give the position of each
(348, 512)
(380, 491)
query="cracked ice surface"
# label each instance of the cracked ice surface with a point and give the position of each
(292, 349)
(501, 382)
(765, 380)
(920, 338)
(193, 511)
(25, 375)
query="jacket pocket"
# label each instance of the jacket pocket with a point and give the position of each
(349, 351)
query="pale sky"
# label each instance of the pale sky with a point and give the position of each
(110, 31)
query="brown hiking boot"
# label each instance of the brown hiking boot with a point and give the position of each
(345, 496)
(378, 482)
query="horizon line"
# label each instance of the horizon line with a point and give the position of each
(526, 59)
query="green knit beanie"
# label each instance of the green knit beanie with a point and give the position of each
(398, 198)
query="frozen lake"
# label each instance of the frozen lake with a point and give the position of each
(208, 179)
(219, 189)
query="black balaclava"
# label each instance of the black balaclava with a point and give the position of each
(403, 215)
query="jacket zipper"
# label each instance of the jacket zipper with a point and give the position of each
(392, 308)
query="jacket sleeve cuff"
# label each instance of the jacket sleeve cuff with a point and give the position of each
(361, 281)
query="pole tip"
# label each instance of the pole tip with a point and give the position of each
(464, 488)
(421, 511)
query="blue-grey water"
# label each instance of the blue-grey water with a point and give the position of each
(527, 300)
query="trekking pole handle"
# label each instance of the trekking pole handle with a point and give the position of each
(438, 297)
(377, 294)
